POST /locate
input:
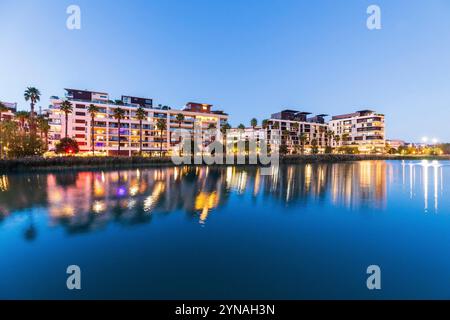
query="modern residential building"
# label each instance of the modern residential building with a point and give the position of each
(106, 129)
(250, 133)
(292, 125)
(12, 109)
(364, 129)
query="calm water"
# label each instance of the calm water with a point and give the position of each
(307, 231)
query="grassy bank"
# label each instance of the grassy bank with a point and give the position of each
(64, 163)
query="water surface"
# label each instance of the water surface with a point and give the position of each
(306, 231)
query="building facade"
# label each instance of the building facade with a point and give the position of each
(364, 129)
(12, 109)
(296, 131)
(106, 129)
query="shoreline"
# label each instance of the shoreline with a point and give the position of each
(93, 163)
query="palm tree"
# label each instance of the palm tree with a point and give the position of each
(67, 108)
(337, 138)
(241, 127)
(3, 108)
(225, 127)
(93, 110)
(265, 123)
(140, 116)
(253, 123)
(180, 118)
(118, 114)
(44, 128)
(161, 125)
(315, 148)
(330, 135)
(303, 139)
(22, 116)
(345, 137)
(33, 95)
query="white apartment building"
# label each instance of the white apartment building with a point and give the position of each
(364, 129)
(106, 130)
(290, 125)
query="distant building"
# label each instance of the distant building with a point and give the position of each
(396, 143)
(364, 129)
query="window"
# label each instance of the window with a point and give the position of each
(80, 113)
(80, 121)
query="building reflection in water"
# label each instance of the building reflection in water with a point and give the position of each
(85, 201)
(431, 178)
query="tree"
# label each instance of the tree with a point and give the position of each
(22, 116)
(265, 123)
(337, 139)
(283, 149)
(223, 130)
(118, 114)
(93, 110)
(179, 118)
(9, 134)
(241, 127)
(253, 123)
(3, 108)
(67, 108)
(44, 128)
(33, 95)
(161, 125)
(329, 135)
(314, 146)
(67, 146)
(345, 137)
(303, 140)
(140, 116)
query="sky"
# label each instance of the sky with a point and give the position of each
(250, 58)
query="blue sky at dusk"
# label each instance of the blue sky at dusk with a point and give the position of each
(250, 58)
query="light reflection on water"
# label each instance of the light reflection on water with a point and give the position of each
(228, 232)
(81, 200)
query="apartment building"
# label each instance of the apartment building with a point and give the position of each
(106, 128)
(12, 109)
(364, 129)
(291, 125)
